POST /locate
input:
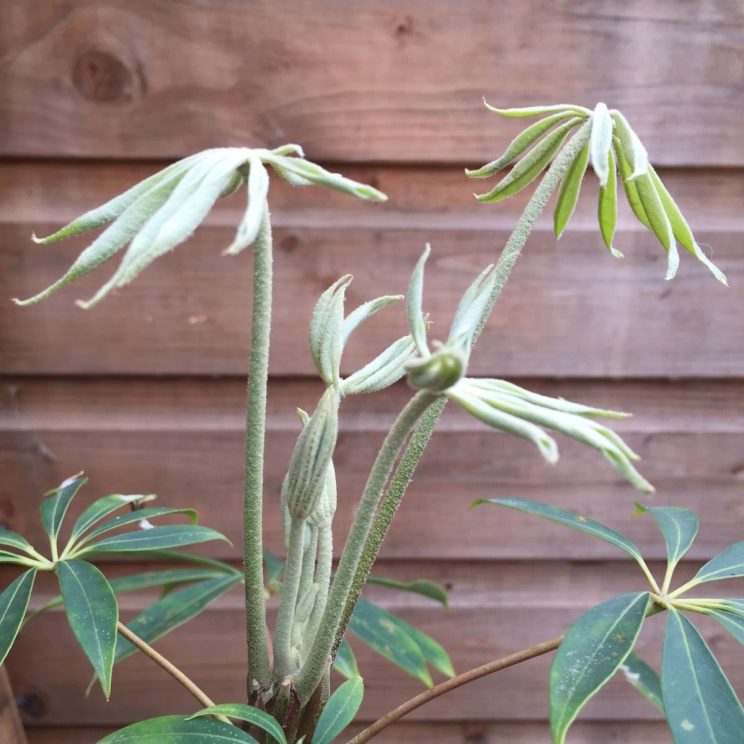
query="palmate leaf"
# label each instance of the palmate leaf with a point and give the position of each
(700, 704)
(137, 516)
(414, 304)
(679, 527)
(643, 678)
(56, 502)
(13, 604)
(179, 730)
(726, 565)
(11, 539)
(102, 507)
(249, 714)
(92, 613)
(155, 538)
(339, 711)
(592, 651)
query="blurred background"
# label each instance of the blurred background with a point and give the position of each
(146, 392)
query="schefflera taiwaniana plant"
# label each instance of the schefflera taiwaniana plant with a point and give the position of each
(161, 212)
(611, 145)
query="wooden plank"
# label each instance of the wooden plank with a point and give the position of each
(149, 79)
(184, 440)
(488, 626)
(569, 311)
(450, 733)
(11, 729)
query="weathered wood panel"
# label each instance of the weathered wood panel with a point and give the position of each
(358, 81)
(11, 729)
(569, 311)
(184, 439)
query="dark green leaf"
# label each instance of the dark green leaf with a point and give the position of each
(592, 651)
(433, 651)
(339, 711)
(424, 587)
(13, 605)
(155, 538)
(137, 516)
(92, 612)
(248, 713)
(568, 194)
(700, 704)
(679, 527)
(101, 508)
(54, 506)
(726, 565)
(174, 610)
(345, 662)
(644, 678)
(568, 519)
(13, 540)
(733, 622)
(383, 633)
(274, 571)
(178, 730)
(199, 560)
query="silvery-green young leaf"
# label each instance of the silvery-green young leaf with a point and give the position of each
(681, 229)
(326, 330)
(13, 604)
(631, 191)
(568, 194)
(634, 150)
(471, 307)
(439, 371)
(355, 318)
(601, 142)
(322, 515)
(384, 370)
(56, 502)
(531, 165)
(700, 705)
(590, 654)
(607, 206)
(660, 224)
(414, 304)
(519, 144)
(679, 527)
(526, 112)
(256, 212)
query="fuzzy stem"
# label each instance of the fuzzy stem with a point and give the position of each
(407, 467)
(168, 666)
(451, 684)
(311, 674)
(259, 668)
(283, 665)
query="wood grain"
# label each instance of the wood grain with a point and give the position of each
(11, 729)
(388, 81)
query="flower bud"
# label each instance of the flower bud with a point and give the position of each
(438, 372)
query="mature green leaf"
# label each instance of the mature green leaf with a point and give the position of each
(248, 713)
(568, 194)
(644, 678)
(56, 502)
(137, 516)
(339, 711)
(681, 229)
(14, 540)
(726, 565)
(355, 318)
(199, 560)
(383, 633)
(345, 662)
(7, 556)
(700, 704)
(679, 527)
(592, 651)
(179, 730)
(733, 622)
(13, 604)
(257, 192)
(525, 139)
(102, 507)
(607, 206)
(174, 610)
(92, 612)
(522, 113)
(274, 569)
(433, 651)
(424, 587)
(384, 370)
(531, 165)
(568, 519)
(601, 142)
(155, 538)
(657, 217)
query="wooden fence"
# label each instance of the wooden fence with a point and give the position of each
(146, 392)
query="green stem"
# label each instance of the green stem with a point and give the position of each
(283, 665)
(407, 467)
(259, 668)
(311, 673)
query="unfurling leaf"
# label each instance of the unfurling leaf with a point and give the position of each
(13, 604)
(471, 308)
(439, 371)
(326, 330)
(256, 214)
(601, 142)
(700, 705)
(339, 711)
(384, 370)
(414, 303)
(592, 651)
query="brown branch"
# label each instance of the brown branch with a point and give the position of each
(169, 667)
(452, 684)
